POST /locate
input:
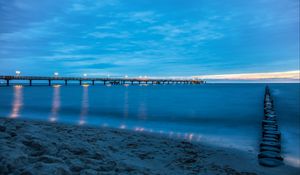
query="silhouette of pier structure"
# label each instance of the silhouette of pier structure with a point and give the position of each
(90, 80)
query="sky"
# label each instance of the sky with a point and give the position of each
(157, 38)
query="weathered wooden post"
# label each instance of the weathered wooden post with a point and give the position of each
(80, 82)
(7, 82)
(93, 82)
(66, 82)
(30, 82)
(49, 82)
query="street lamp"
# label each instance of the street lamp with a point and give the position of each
(126, 76)
(84, 75)
(55, 74)
(18, 73)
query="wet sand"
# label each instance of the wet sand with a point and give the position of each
(33, 147)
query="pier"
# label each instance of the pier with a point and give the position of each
(270, 146)
(92, 81)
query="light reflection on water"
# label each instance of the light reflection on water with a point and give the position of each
(17, 102)
(55, 104)
(126, 104)
(84, 106)
(142, 111)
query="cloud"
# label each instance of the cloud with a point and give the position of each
(105, 26)
(68, 57)
(22, 5)
(293, 75)
(168, 30)
(146, 16)
(141, 16)
(95, 66)
(109, 35)
(79, 7)
(188, 32)
(33, 31)
(90, 5)
(72, 48)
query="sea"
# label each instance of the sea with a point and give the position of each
(225, 115)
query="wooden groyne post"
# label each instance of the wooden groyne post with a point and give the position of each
(270, 145)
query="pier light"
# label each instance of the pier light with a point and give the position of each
(126, 76)
(18, 73)
(56, 74)
(85, 75)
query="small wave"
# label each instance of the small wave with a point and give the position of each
(276, 92)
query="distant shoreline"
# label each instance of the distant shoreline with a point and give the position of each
(41, 147)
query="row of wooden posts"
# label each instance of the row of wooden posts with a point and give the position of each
(270, 145)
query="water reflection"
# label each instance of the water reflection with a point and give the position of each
(294, 161)
(122, 126)
(142, 113)
(189, 137)
(18, 101)
(55, 103)
(126, 104)
(84, 106)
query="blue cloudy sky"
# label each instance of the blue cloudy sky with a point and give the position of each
(148, 37)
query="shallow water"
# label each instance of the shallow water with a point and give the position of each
(227, 115)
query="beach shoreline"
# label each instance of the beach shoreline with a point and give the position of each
(36, 147)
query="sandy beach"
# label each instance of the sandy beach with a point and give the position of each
(33, 147)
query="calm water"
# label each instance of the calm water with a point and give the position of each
(227, 115)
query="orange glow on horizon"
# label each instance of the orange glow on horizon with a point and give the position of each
(294, 75)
